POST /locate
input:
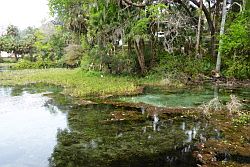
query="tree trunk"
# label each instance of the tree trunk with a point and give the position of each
(217, 16)
(129, 46)
(16, 56)
(222, 27)
(153, 51)
(198, 36)
(210, 25)
(139, 48)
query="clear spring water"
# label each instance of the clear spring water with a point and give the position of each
(187, 97)
(49, 130)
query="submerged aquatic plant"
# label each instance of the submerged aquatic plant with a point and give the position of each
(234, 105)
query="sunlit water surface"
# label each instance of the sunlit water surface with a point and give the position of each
(28, 129)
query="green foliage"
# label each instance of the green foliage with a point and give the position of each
(236, 47)
(73, 55)
(243, 119)
(176, 64)
(238, 67)
(12, 31)
(39, 64)
(14, 42)
(102, 59)
(76, 82)
(120, 38)
(72, 13)
(140, 27)
(51, 46)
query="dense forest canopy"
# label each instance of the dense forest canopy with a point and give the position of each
(139, 37)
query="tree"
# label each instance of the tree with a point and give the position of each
(235, 47)
(12, 31)
(223, 20)
(14, 43)
(73, 14)
(73, 54)
(51, 41)
(198, 36)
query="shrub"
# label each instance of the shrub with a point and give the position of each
(73, 55)
(234, 105)
(236, 47)
(177, 64)
(39, 64)
(108, 60)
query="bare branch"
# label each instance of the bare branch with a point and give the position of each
(134, 4)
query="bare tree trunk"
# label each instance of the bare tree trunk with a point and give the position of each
(222, 27)
(198, 36)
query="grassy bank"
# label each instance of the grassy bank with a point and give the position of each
(75, 82)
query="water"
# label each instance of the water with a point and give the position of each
(188, 97)
(28, 129)
(48, 129)
(3, 68)
(101, 135)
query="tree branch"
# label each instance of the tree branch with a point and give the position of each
(208, 16)
(134, 4)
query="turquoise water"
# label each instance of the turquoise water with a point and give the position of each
(188, 97)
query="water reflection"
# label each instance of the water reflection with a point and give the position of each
(96, 138)
(95, 135)
(156, 122)
(28, 131)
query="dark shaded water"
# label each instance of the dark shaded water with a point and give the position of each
(49, 130)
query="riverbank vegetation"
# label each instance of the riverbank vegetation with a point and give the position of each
(138, 38)
(95, 49)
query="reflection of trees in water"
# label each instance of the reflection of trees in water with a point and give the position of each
(93, 141)
(54, 106)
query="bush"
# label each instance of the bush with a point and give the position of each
(108, 60)
(236, 48)
(73, 55)
(176, 64)
(39, 64)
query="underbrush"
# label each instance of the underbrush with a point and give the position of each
(176, 65)
(39, 64)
